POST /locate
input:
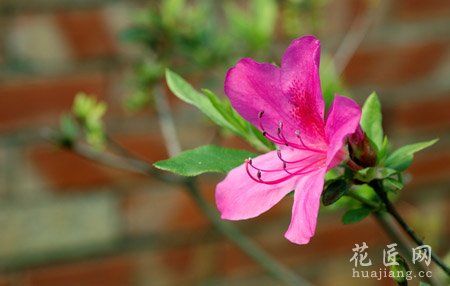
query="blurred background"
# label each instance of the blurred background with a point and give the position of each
(67, 221)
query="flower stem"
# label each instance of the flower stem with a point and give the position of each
(364, 201)
(404, 244)
(379, 190)
(391, 231)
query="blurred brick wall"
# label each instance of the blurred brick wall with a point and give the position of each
(66, 221)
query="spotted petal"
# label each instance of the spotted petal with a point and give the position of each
(253, 87)
(300, 83)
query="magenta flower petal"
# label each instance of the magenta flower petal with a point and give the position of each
(253, 88)
(342, 120)
(240, 197)
(306, 207)
(301, 84)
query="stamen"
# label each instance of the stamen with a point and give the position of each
(301, 171)
(293, 162)
(281, 140)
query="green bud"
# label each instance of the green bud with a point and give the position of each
(334, 190)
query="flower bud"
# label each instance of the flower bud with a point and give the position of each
(360, 150)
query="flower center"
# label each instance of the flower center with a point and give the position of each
(312, 159)
(280, 139)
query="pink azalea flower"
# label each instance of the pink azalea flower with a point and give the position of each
(286, 104)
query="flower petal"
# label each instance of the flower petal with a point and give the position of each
(343, 120)
(300, 83)
(306, 207)
(253, 87)
(239, 197)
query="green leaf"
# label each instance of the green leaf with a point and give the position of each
(382, 154)
(391, 184)
(402, 158)
(372, 173)
(184, 91)
(355, 215)
(219, 111)
(334, 190)
(371, 120)
(171, 10)
(208, 158)
(69, 130)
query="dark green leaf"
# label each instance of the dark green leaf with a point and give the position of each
(204, 159)
(69, 130)
(402, 158)
(334, 190)
(371, 120)
(68, 126)
(355, 215)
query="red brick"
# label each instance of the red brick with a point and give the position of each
(419, 9)
(5, 281)
(65, 170)
(394, 64)
(187, 216)
(87, 33)
(149, 147)
(331, 238)
(111, 271)
(25, 103)
(179, 260)
(150, 208)
(430, 114)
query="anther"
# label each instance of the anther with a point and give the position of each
(258, 174)
(260, 114)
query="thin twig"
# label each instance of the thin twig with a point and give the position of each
(378, 187)
(353, 38)
(391, 231)
(166, 122)
(368, 203)
(403, 243)
(274, 268)
(129, 164)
